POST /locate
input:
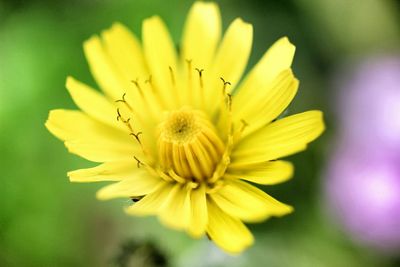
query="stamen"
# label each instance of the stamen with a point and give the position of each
(123, 100)
(171, 71)
(139, 163)
(136, 82)
(137, 136)
(200, 71)
(202, 96)
(149, 79)
(154, 99)
(223, 164)
(225, 109)
(225, 161)
(153, 171)
(225, 84)
(229, 102)
(118, 115)
(126, 122)
(132, 132)
(238, 134)
(244, 125)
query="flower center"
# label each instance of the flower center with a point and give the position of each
(189, 145)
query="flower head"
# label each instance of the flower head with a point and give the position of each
(179, 133)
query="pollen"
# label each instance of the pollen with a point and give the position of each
(189, 145)
(181, 127)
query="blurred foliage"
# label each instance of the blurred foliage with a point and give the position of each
(47, 221)
(133, 254)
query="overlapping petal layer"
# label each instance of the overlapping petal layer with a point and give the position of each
(144, 83)
(90, 139)
(226, 231)
(248, 203)
(278, 139)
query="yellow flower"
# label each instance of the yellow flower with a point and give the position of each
(180, 133)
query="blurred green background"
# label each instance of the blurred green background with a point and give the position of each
(47, 221)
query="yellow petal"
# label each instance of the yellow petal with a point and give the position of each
(248, 203)
(110, 80)
(278, 57)
(278, 139)
(100, 152)
(201, 34)
(139, 185)
(230, 60)
(268, 173)
(229, 233)
(234, 51)
(109, 171)
(92, 102)
(199, 214)
(151, 203)
(262, 109)
(125, 51)
(91, 139)
(117, 64)
(175, 211)
(161, 59)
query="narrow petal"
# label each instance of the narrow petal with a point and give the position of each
(268, 103)
(229, 233)
(92, 102)
(278, 58)
(109, 171)
(175, 212)
(278, 139)
(113, 67)
(110, 80)
(91, 139)
(268, 173)
(201, 34)
(248, 203)
(161, 59)
(234, 51)
(151, 203)
(101, 152)
(199, 213)
(140, 185)
(230, 60)
(125, 51)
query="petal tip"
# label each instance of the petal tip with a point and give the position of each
(152, 19)
(102, 195)
(91, 45)
(117, 25)
(285, 40)
(287, 210)
(70, 82)
(90, 41)
(72, 178)
(246, 26)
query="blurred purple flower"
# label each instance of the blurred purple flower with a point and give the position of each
(363, 178)
(369, 103)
